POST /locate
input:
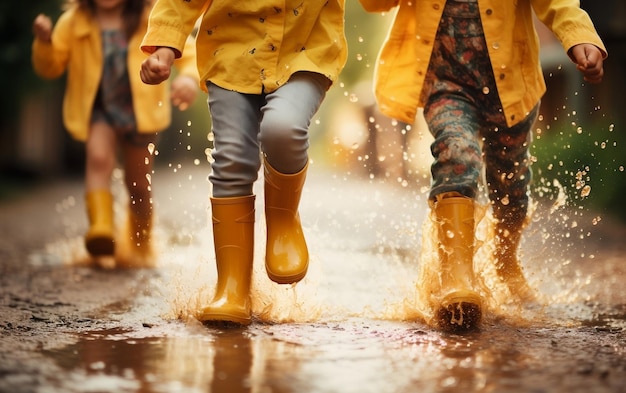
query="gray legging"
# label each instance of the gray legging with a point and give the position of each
(275, 123)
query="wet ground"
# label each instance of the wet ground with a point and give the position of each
(355, 324)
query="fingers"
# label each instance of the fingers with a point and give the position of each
(153, 71)
(157, 67)
(184, 92)
(589, 62)
(42, 28)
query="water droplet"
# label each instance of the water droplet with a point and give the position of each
(151, 148)
(209, 155)
(505, 200)
(359, 57)
(196, 162)
(579, 130)
(449, 234)
(353, 98)
(149, 178)
(485, 90)
(585, 191)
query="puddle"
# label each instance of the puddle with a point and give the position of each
(351, 326)
(354, 355)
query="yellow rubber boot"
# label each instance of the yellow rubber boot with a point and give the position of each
(460, 306)
(507, 240)
(99, 239)
(233, 236)
(136, 249)
(287, 255)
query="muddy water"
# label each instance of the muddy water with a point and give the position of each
(355, 324)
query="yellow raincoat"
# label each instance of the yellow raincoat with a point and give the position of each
(77, 47)
(512, 43)
(253, 46)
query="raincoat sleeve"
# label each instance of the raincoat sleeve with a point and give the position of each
(378, 5)
(50, 59)
(569, 23)
(171, 23)
(186, 64)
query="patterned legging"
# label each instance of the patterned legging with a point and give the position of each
(463, 112)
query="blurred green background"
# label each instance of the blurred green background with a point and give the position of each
(578, 144)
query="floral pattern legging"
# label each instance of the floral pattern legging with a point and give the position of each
(463, 109)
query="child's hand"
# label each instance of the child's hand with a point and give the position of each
(158, 66)
(42, 28)
(184, 90)
(588, 59)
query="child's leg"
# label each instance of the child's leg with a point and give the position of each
(454, 123)
(287, 115)
(100, 162)
(453, 120)
(235, 119)
(138, 164)
(508, 175)
(100, 149)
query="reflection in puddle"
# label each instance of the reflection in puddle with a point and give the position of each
(355, 355)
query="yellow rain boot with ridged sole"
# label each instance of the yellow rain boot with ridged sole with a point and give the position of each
(286, 255)
(459, 307)
(99, 239)
(233, 235)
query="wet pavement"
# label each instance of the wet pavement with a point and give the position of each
(355, 324)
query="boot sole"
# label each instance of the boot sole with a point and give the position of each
(282, 279)
(459, 312)
(224, 319)
(100, 246)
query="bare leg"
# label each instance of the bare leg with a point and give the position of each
(100, 146)
(100, 150)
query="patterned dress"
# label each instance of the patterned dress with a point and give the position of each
(114, 101)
